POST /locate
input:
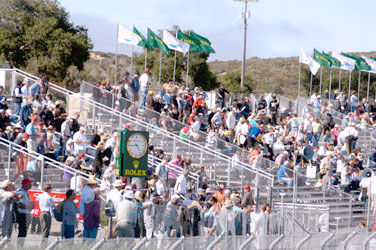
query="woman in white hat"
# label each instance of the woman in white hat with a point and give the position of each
(87, 193)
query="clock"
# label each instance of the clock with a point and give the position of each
(137, 145)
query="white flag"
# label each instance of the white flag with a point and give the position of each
(370, 63)
(346, 63)
(304, 58)
(126, 36)
(173, 43)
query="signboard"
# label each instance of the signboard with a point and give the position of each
(56, 198)
(134, 149)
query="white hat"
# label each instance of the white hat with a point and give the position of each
(128, 187)
(129, 194)
(118, 183)
(227, 191)
(6, 184)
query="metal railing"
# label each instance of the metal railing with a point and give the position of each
(50, 171)
(114, 101)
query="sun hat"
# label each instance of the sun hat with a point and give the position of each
(92, 180)
(118, 183)
(129, 194)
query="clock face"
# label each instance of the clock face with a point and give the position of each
(137, 145)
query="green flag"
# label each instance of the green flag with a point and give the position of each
(143, 43)
(194, 45)
(204, 43)
(360, 63)
(334, 62)
(156, 42)
(321, 59)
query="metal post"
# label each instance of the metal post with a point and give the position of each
(230, 166)
(244, 45)
(368, 82)
(257, 187)
(310, 86)
(9, 159)
(146, 57)
(160, 68)
(320, 79)
(350, 84)
(330, 83)
(360, 73)
(174, 75)
(42, 172)
(283, 213)
(339, 80)
(116, 57)
(295, 182)
(131, 61)
(187, 79)
(300, 66)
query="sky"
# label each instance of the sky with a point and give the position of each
(276, 28)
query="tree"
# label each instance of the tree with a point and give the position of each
(199, 72)
(37, 34)
(232, 80)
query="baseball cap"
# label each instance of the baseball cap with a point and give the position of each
(26, 180)
(147, 70)
(34, 118)
(82, 155)
(246, 187)
(41, 123)
(127, 126)
(26, 135)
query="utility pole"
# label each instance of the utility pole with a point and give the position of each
(244, 15)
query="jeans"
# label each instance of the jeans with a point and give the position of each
(144, 93)
(287, 180)
(67, 231)
(309, 138)
(90, 233)
(316, 138)
(17, 108)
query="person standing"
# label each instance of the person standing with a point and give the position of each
(221, 96)
(181, 183)
(87, 194)
(24, 206)
(144, 84)
(126, 215)
(153, 216)
(92, 218)
(115, 197)
(69, 215)
(46, 205)
(8, 200)
(80, 141)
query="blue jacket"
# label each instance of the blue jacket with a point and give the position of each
(25, 112)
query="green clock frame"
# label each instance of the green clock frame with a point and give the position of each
(129, 164)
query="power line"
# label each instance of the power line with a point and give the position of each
(224, 32)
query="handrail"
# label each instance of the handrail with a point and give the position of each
(202, 133)
(275, 242)
(56, 164)
(171, 135)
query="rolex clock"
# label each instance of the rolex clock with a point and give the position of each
(134, 153)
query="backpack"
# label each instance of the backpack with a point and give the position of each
(58, 212)
(208, 219)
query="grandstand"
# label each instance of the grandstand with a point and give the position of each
(298, 208)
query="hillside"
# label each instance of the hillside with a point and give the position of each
(277, 74)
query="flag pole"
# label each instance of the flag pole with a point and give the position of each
(174, 75)
(339, 81)
(350, 84)
(146, 57)
(360, 73)
(300, 66)
(320, 79)
(330, 83)
(187, 81)
(116, 56)
(368, 82)
(160, 68)
(132, 61)
(310, 86)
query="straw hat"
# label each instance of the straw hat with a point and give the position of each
(118, 183)
(129, 194)
(138, 195)
(6, 184)
(92, 180)
(228, 203)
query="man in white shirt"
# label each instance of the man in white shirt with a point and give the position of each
(87, 194)
(351, 135)
(46, 205)
(144, 84)
(195, 128)
(231, 120)
(181, 183)
(114, 195)
(80, 141)
(7, 199)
